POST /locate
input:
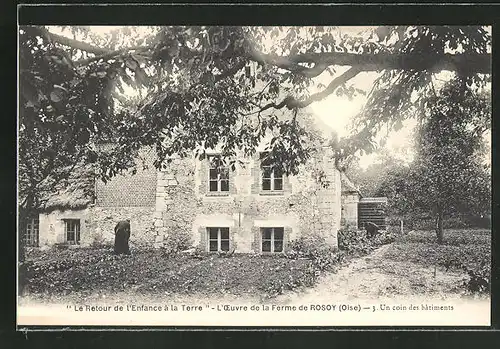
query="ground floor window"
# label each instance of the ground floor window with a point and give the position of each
(272, 239)
(218, 239)
(32, 231)
(72, 230)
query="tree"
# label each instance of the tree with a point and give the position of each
(65, 112)
(448, 175)
(203, 72)
(207, 86)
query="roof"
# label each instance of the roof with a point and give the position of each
(382, 200)
(347, 185)
(77, 192)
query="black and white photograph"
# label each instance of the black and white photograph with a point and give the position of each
(254, 175)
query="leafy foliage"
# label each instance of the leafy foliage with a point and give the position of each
(467, 251)
(315, 248)
(177, 242)
(85, 270)
(449, 176)
(357, 242)
(207, 86)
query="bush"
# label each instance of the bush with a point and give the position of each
(355, 242)
(178, 242)
(315, 248)
(99, 241)
(464, 222)
(478, 279)
(387, 236)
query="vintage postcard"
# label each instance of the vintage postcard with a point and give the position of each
(254, 176)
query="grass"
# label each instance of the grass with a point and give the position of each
(420, 247)
(85, 270)
(466, 251)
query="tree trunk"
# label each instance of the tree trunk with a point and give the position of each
(24, 214)
(439, 227)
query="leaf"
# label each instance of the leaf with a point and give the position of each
(131, 64)
(31, 94)
(57, 95)
(398, 125)
(141, 77)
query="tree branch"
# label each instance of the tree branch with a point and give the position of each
(469, 63)
(290, 102)
(230, 71)
(110, 55)
(80, 45)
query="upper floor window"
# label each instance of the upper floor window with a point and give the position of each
(218, 176)
(272, 178)
(72, 230)
(32, 231)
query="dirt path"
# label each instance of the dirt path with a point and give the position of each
(374, 277)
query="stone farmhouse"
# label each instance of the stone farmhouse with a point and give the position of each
(253, 209)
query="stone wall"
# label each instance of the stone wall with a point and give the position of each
(52, 226)
(127, 196)
(101, 223)
(130, 189)
(350, 202)
(97, 225)
(184, 205)
(178, 202)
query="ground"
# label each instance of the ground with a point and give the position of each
(376, 277)
(412, 266)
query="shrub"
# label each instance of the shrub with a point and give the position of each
(355, 242)
(386, 237)
(99, 241)
(478, 279)
(177, 242)
(394, 230)
(315, 248)
(60, 246)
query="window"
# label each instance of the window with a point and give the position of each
(272, 239)
(218, 239)
(72, 229)
(32, 232)
(272, 178)
(218, 177)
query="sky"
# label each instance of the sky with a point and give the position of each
(338, 112)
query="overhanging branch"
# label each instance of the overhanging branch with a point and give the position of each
(473, 63)
(290, 102)
(469, 63)
(80, 45)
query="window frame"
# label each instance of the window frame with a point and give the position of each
(219, 239)
(272, 240)
(272, 177)
(218, 180)
(76, 231)
(32, 232)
